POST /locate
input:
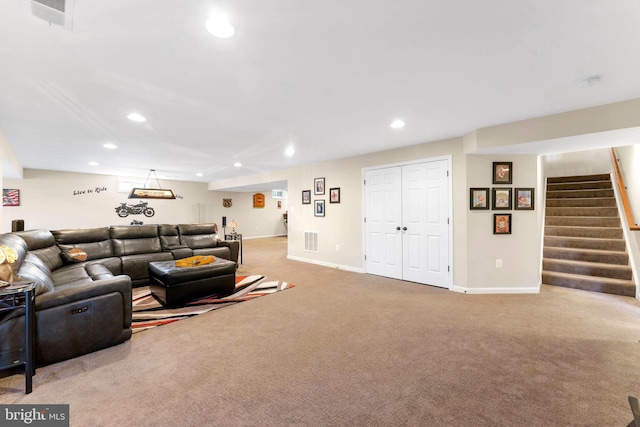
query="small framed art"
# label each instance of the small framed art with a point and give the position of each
(10, 197)
(478, 198)
(319, 207)
(525, 199)
(501, 198)
(318, 186)
(502, 172)
(334, 195)
(306, 197)
(501, 223)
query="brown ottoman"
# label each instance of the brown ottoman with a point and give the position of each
(177, 285)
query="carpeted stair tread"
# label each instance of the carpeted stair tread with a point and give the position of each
(574, 202)
(559, 194)
(583, 221)
(595, 211)
(584, 178)
(589, 283)
(587, 255)
(613, 271)
(580, 231)
(592, 185)
(585, 243)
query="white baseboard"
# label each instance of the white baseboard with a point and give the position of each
(263, 237)
(513, 290)
(326, 264)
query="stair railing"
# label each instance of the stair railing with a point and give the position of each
(633, 225)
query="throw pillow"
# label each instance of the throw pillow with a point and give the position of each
(74, 255)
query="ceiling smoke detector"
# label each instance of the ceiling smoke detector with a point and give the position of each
(55, 12)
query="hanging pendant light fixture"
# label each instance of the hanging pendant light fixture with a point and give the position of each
(151, 193)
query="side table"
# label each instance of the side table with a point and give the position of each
(235, 236)
(21, 295)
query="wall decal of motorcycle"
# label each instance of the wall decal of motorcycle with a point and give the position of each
(141, 208)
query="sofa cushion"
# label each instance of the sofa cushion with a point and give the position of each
(34, 269)
(96, 242)
(43, 244)
(132, 240)
(198, 236)
(169, 236)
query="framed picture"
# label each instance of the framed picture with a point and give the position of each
(502, 172)
(501, 198)
(10, 197)
(478, 198)
(318, 186)
(334, 195)
(501, 223)
(319, 208)
(525, 199)
(306, 197)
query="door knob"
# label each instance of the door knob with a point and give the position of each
(404, 228)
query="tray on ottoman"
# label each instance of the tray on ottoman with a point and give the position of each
(177, 285)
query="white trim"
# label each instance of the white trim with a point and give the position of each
(326, 264)
(408, 162)
(514, 290)
(263, 237)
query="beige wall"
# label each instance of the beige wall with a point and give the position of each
(590, 162)
(252, 222)
(520, 251)
(58, 200)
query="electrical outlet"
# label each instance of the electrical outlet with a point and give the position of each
(337, 247)
(498, 263)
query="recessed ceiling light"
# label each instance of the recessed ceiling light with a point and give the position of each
(94, 164)
(397, 124)
(136, 117)
(199, 174)
(290, 151)
(219, 26)
(110, 146)
(237, 164)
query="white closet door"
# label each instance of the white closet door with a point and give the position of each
(425, 217)
(383, 247)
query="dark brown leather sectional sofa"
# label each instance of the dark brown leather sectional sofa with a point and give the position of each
(85, 306)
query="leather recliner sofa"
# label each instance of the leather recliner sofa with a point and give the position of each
(84, 305)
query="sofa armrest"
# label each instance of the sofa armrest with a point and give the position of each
(234, 247)
(64, 294)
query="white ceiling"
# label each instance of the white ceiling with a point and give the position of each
(326, 76)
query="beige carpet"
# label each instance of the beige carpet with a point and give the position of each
(347, 349)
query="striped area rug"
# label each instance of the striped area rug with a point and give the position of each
(149, 313)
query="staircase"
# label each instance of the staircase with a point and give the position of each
(584, 247)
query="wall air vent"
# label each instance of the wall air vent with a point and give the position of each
(311, 241)
(56, 12)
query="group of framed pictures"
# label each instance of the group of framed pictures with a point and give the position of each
(502, 198)
(319, 190)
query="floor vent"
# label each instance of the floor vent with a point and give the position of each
(311, 241)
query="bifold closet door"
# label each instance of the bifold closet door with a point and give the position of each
(407, 222)
(383, 207)
(425, 223)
